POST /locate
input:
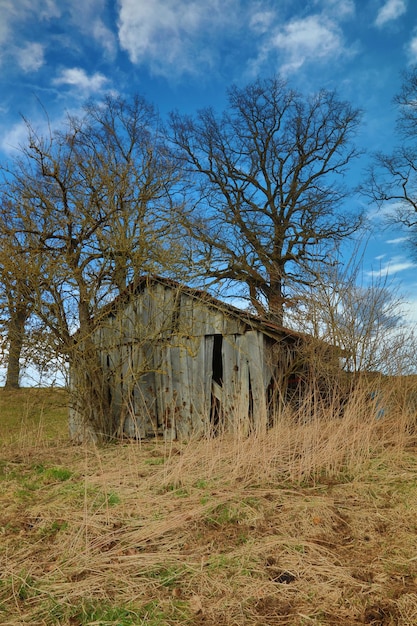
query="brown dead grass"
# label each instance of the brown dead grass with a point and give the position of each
(313, 523)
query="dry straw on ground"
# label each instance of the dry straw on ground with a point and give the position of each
(312, 523)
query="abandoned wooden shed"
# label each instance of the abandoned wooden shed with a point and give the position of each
(180, 363)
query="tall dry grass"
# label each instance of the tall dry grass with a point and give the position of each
(309, 522)
(319, 440)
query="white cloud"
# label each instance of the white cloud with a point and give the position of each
(311, 38)
(388, 211)
(340, 9)
(399, 266)
(260, 21)
(104, 37)
(13, 14)
(391, 10)
(174, 36)
(86, 15)
(78, 77)
(47, 9)
(14, 137)
(16, 12)
(393, 266)
(410, 310)
(412, 50)
(31, 57)
(397, 240)
(83, 15)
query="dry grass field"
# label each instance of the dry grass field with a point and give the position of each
(313, 523)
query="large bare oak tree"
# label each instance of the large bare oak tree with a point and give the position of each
(267, 178)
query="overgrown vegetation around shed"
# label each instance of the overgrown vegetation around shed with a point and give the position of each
(180, 363)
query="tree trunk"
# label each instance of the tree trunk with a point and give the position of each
(276, 302)
(16, 334)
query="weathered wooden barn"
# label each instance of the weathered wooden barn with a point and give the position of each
(180, 363)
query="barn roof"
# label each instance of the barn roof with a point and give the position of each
(253, 321)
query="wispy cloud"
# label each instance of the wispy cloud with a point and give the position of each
(20, 12)
(341, 9)
(31, 57)
(13, 138)
(82, 15)
(314, 38)
(388, 212)
(104, 37)
(311, 38)
(174, 37)
(88, 18)
(260, 21)
(394, 266)
(78, 77)
(410, 310)
(397, 240)
(391, 10)
(412, 50)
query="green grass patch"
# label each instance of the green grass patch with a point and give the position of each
(155, 461)
(33, 413)
(53, 474)
(53, 529)
(178, 492)
(22, 584)
(225, 513)
(104, 613)
(29, 480)
(97, 498)
(108, 615)
(166, 576)
(28, 483)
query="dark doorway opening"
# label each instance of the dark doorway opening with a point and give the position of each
(217, 382)
(218, 360)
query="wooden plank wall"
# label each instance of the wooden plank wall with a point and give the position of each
(158, 357)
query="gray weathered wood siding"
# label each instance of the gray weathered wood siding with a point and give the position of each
(158, 351)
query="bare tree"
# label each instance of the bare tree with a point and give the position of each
(362, 315)
(95, 201)
(267, 176)
(15, 314)
(28, 347)
(16, 276)
(393, 177)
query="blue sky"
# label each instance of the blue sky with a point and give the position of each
(185, 53)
